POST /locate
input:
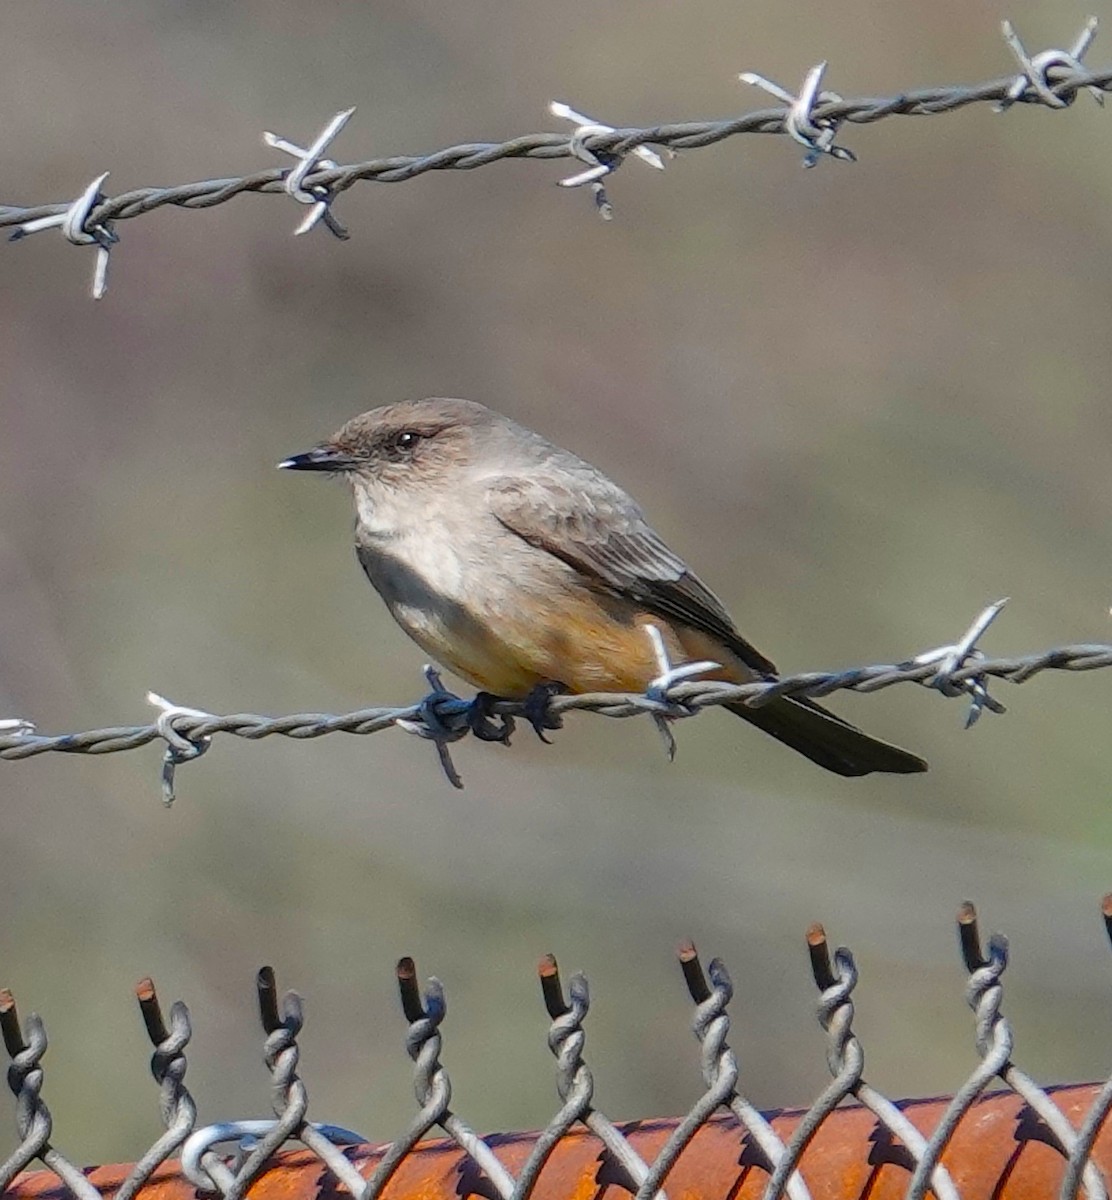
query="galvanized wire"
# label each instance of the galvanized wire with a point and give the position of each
(711, 1024)
(786, 1166)
(176, 1107)
(1052, 82)
(575, 1085)
(444, 717)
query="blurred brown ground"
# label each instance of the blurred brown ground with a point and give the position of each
(862, 400)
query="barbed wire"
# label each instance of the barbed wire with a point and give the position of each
(812, 117)
(968, 1146)
(442, 717)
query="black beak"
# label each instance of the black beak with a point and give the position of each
(320, 458)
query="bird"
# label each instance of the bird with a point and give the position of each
(527, 572)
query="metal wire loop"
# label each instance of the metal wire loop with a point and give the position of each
(245, 1135)
(80, 230)
(1034, 84)
(815, 134)
(310, 160)
(600, 163)
(179, 748)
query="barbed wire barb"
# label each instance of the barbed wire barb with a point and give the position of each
(16, 726)
(600, 163)
(950, 658)
(815, 134)
(657, 693)
(442, 718)
(179, 748)
(309, 159)
(81, 228)
(1033, 84)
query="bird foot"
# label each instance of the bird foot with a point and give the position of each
(538, 711)
(485, 723)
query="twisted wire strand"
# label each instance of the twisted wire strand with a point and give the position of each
(609, 145)
(995, 1042)
(1098, 1112)
(289, 1098)
(846, 1059)
(425, 1012)
(575, 1086)
(711, 1026)
(693, 695)
(34, 1122)
(985, 995)
(168, 1066)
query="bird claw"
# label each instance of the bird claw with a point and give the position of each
(539, 714)
(487, 725)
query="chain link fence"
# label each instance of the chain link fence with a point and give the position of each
(1024, 1142)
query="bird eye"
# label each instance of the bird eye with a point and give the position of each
(406, 440)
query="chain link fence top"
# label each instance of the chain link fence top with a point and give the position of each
(1000, 1135)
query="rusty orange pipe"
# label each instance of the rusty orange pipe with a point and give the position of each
(995, 1154)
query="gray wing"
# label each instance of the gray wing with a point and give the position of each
(591, 524)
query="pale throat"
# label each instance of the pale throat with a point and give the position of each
(378, 514)
(403, 534)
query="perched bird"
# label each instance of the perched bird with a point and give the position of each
(523, 568)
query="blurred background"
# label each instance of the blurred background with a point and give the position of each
(862, 400)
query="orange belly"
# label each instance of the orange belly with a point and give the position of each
(590, 644)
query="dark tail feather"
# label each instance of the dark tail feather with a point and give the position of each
(828, 740)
